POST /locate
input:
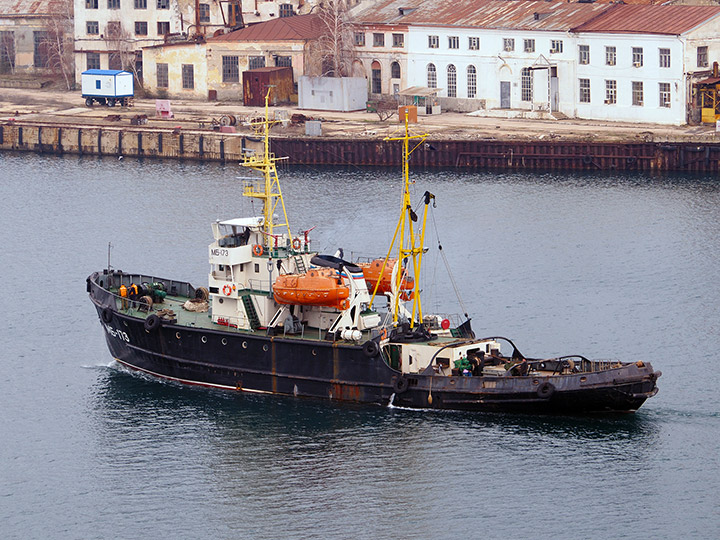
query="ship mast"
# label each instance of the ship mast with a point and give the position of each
(411, 243)
(268, 190)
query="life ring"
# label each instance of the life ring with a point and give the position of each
(545, 390)
(152, 323)
(107, 315)
(371, 349)
(383, 334)
(257, 250)
(227, 290)
(400, 384)
(296, 244)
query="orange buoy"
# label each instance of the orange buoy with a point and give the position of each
(257, 250)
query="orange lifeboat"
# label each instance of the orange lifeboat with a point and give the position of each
(317, 287)
(371, 271)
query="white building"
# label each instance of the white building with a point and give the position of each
(533, 58)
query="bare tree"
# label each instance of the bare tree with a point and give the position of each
(121, 47)
(58, 42)
(335, 48)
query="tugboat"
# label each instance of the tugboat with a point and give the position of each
(279, 318)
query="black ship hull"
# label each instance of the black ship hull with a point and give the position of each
(343, 371)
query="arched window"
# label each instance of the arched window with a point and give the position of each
(471, 81)
(376, 87)
(452, 81)
(432, 76)
(395, 70)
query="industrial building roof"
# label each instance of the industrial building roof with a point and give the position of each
(298, 27)
(487, 14)
(29, 7)
(642, 19)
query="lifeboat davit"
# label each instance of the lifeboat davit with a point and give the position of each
(371, 271)
(316, 287)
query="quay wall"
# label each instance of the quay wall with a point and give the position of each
(138, 141)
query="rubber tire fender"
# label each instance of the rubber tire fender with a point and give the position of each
(371, 349)
(400, 384)
(106, 315)
(545, 390)
(152, 323)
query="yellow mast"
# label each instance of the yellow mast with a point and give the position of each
(410, 244)
(269, 192)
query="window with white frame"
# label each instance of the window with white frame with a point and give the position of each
(474, 43)
(526, 84)
(508, 44)
(556, 46)
(92, 27)
(529, 45)
(451, 81)
(610, 56)
(584, 54)
(702, 56)
(584, 90)
(433, 42)
(610, 92)
(664, 55)
(637, 56)
(471, 81)
(359, 39)
(664, 89)
(637, 93)
(431, 76)
(453, 42)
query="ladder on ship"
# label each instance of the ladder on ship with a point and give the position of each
(300, 264)
(251, 312)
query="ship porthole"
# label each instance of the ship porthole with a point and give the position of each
(224, 341)
(535, 381)
(244, 344)
(177, 335)
(314, 352)
(583, 379)
(203, 339)
(265, 347)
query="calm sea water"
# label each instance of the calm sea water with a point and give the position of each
(608, 266)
